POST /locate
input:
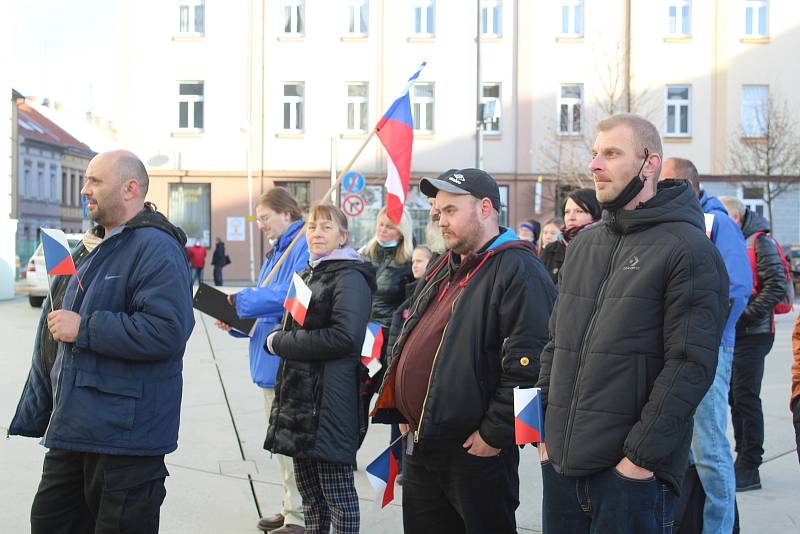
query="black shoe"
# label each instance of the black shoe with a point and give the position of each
(747, 479)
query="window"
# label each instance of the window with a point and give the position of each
(190, 105)
(569, 109)
(504, 202)
(357, 94)
(755, 18)
(678, 102)
(40, 181)
(192, 16)
(572, 17)
(490, 98)
(25, 185)
(301, 191)
(424, 17)
(422, 107)
(754, 110)
(293, 107)
(293, 17)
(190, 208)
(679, 18)
(362, 228)
(65, 199)
(358, 17)
(53, 193)
(753, 198)
(491, 18)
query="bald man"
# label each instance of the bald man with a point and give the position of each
(104, 390)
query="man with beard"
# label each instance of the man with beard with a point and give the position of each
(104, 390)
(643, 299)
(473, 334)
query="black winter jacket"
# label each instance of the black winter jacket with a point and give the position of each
(643, 300)
(553, 258)
(391, 281)
(316, 414)
(491, 344)
(758, 317)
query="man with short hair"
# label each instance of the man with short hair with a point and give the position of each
(477, 324)
(104, 390)
(755, 334)
(710, 447)
(633, 344)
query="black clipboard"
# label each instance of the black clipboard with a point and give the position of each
(214, 302)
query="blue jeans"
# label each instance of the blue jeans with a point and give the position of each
(605, 503)
(712, 451)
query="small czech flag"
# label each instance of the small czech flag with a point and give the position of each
(528, 419)
(371, 350)
(297, 299)
(382, 473)
(57, 257)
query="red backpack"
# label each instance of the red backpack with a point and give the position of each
(786, 304)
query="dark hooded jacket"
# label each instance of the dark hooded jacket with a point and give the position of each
(117, 389)
(316, 414)
(643, 299)
(491, 345)
(759, 316)
(391, 281)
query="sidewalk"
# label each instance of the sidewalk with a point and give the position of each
(223, 426)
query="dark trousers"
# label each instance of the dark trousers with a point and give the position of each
(86, 493)
(329, 497)
(197, 275)
(447, 490)
(217, 276)
(745, 397)
(605, 503)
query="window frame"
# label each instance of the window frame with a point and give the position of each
(680, 31)
(190, 101)
(487, 126)
(357, 6)
(178, 218)
(360, 108)
(755, 6)
(747, 128)
(678, 104)
(571, 7)
(191, 17)
(491, 11)
(427, 107)
(570, 103)
(299, 105)
(427, 18)
(297, 14)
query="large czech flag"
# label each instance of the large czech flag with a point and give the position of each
(371, 350)
(396, 132)
(382, 473)
(297, 299)
(528, 419)
(57, 256)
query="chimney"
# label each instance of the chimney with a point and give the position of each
(46, 102)
(58, 106)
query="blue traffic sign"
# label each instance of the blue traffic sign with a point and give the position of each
(353, 183)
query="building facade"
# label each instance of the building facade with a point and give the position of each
(291, 89)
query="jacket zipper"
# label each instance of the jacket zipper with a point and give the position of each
(574, 403)
(63, 362)
(433, 368)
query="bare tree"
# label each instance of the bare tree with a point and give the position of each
(766, 152)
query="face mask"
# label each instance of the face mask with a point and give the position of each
(631, 190)
(388, 244)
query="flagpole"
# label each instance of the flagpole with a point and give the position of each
(325, 197)
(50, 291)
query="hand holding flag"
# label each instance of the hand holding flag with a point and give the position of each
(528, 419)
(297, 299)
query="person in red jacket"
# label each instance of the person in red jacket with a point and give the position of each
(197, 260)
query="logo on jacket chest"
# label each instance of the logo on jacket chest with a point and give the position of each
(631, 264)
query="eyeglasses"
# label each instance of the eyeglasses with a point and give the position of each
(264, 219)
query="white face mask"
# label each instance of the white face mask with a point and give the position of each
(388, 244)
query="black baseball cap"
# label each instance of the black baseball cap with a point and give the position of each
(473, 182)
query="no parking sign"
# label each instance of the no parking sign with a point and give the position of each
(353, 205)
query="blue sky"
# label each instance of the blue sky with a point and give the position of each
(62, 49)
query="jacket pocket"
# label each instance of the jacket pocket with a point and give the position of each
(101, 409)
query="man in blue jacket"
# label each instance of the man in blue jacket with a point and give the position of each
(280, 219)
(104, 390)
(710, 446)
